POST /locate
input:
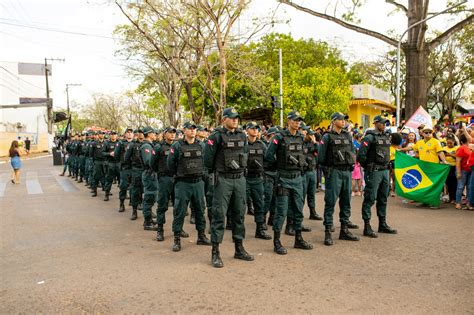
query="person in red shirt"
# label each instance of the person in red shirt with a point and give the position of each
(464, 165)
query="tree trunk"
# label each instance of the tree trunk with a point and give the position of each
(188, 86)
(417, 81)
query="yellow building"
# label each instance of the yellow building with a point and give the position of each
(367, 102)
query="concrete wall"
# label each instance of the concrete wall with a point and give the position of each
(38, 143)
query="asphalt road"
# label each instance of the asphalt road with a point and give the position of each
(65, 252)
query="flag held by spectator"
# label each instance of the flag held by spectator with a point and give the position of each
(420, 117)
(419, 180)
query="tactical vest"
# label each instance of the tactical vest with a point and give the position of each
(255, 159)
(290, 154)
(231, 157)
(340, 150)
(136, 156)
(84, 149)
(162, 157)
(109, 148)
(379, 152)
(311, 156)
(97, 150)
(190, 162)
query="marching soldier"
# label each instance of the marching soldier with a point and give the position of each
(286, 153)
(132, 156)
(149, 181)
(95, 151)
(337, 154)
(374, 157)
(112, 168)
(81, 151)
(255, 190)
(226, 154)
(125, 167)
(270, 180)
(185, 162)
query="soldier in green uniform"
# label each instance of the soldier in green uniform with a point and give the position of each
(270, 180)
(133, 157)
(81, 152)
(165, 178)
(113, 170)
(286, 153)
(95, 151)
(125, 166)
(89, 159)
(74, 156)
(374, 157)
(225, 154)
(201, 136)
(337, 155)
(255, 190)
(149, 181)
(185, 162)
(310, 148)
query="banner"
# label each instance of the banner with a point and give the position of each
(67, 131)
(419, 180)
(420, 117)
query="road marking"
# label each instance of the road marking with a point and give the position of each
(32, 184)
(65, 183)
(3, 184)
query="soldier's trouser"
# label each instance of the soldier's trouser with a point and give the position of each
(125, 181)
(377, 187)
(188, 193)
(72, 164)
(82, 166)
(89, 169)
(256, 193)
(338, 185)
(150, 189)
(208, 190)
(289, 197)
(309, 188)
(229, 194)
(99, 175)
(270, 196)
(137, 187)
(66, 164)
(165, 193)
(113, 171)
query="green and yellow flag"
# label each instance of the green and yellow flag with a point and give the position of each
(419, 180)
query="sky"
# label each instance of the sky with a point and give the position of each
(32, 30)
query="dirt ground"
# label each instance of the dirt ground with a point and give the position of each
(65, 252)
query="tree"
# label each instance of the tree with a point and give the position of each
(417, 48)
(106, 111)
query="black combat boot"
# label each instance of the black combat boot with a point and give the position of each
(289, 228)
(270, 219)
(183, 234)
(346, 235)
(260, 232)
(300, 242)
(122, 206)
(202, 239)
(94, 193)
(177, 243)
(160, 233)
(327, 236)
(313, 215)
(250, 209)
(216, 256)
(240, 252)
(134, 214)
(368, 230)
(80, 180)
(277, 247)
(384, 228)
(351, 225)
(148, 225)
(106, 198)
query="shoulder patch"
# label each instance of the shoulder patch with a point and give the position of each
(210, 142)
(275, 141)
(172, 150)
(147, 150)
(365, 143)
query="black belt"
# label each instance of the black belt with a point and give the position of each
(341, 168)
(165, 174)
(231, 175)
(292, 175)
(378, 168)
(189, 179)
(257, 175)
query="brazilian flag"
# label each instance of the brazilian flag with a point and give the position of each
(419, 180)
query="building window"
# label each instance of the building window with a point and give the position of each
(365, 121)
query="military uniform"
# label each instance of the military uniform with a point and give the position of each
(165, 182)
(309, 172)
(226, 154)
(82, 151)
(149, 181)
(374, 157)
(98, 176)
(270, 177)
(286, 152)
(185, 161)
(125, 171)
(112, 166)
(337, 155)
(255, 182)
(133, 157)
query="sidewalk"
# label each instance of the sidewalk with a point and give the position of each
(6, 159)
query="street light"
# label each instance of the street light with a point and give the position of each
(399, 48)
(67, 93)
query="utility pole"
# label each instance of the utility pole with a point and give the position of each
(49, 101)
(280, 61)
(67, 94)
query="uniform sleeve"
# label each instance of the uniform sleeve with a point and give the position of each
(323, 149)
(146, 153)
(270, 155)
(210, 150)
(154, 157)
(364, 149)
(173, 157)
(105, 149)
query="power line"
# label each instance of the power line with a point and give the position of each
(11, 73)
